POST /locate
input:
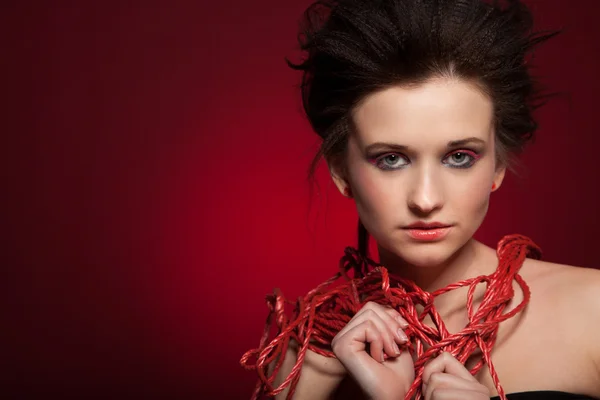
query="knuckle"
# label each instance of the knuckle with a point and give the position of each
(370, 313)
(435, 378)
(336, 345)
(396, 316)
(392, 311)
(427, 367)
(334, 350)
(398, 325)
(370, 324)
(374, 330)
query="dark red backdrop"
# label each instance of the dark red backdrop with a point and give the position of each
(154, 159)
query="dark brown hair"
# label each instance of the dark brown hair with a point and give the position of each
(356, 47)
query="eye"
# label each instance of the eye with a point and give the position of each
(389, 161)
(461, 159)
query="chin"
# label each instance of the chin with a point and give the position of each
(425, 259)
(426, 255)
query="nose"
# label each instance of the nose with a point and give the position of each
(425, 194)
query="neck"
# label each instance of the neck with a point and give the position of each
(472, 260)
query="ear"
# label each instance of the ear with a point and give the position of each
(499, 177)
(338, 174)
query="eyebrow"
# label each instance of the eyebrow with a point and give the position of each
(453, 143)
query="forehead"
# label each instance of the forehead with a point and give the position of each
(436, 112)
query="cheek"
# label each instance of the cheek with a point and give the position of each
(373, 193)
(377, 202)
(472, 198)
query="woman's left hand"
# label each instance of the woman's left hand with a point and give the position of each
(445, 378)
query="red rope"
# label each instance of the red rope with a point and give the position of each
(324, 311)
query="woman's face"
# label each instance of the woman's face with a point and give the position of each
(422, 154)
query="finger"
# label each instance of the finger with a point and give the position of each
(389, 315)
(446, 362)
(397, 317)
(351, 346)
(389, 335)
(380, 309)
(390, 330)
(394, 320)
(441, 380)
(456, 394)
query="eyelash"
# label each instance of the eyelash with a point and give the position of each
(376, 160)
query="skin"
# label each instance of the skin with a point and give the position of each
(422, 153)
(423, 186)
(553, 345)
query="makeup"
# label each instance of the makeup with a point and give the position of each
(462, 158)
(428, 235)
(390, 161)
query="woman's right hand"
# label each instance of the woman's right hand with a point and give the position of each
(382, 329)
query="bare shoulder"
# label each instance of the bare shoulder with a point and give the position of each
(571, 287)
(570, 283)
(572, 295)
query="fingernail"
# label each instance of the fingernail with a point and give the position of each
(382, 356)
(402, 322)
(396, 348)
(402, 335)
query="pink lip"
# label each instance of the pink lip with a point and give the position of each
(426, 225)
(428, 235)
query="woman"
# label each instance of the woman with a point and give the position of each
(421, 105)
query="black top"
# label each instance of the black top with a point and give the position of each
(544, 395)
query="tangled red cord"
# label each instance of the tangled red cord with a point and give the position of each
(324, 311)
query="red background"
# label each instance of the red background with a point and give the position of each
(154, 162)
